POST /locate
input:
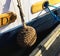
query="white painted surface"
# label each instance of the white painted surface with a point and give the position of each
(11, 5)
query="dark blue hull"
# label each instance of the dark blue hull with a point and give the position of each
(46, 21)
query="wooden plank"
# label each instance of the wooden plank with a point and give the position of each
(38, 6)
(48, 45)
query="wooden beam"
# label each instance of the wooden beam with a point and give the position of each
(38, 6)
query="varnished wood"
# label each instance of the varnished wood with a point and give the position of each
(38, 5)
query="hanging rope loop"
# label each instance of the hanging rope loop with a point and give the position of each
(46, 5)
(54, 15)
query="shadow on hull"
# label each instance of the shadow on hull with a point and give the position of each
(43, 25)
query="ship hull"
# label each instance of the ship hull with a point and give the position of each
(42, 23)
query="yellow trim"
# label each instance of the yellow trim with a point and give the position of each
(48, 44)
(54, 1)
(52, 39)
(38, 6)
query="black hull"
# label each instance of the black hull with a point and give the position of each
(8, 39)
